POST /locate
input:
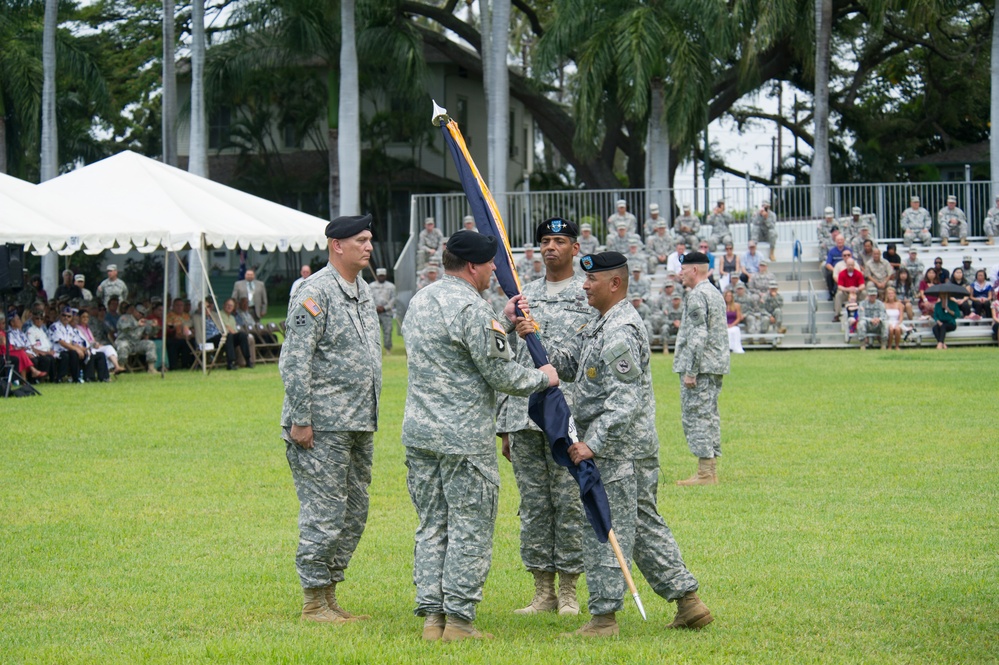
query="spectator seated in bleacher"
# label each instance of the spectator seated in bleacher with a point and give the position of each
(872, 319)
(927, 301)
(763, 228)
(658, 246)
(622, 216)
(728, 267)
(852, 309)
(618, 238)
(945, 314)
(833, 258)
(942, 273)
(639, 285)
(428, 243)
(957, 278)
(892, 256)
(112, 314)
(637, 259)
(644, 313)
(14, 342)
(905, 292)
(104, 356)
(673, 261)
(750, 263)
(179, 332)
(850, 280)
(653, 220)
(772, 311)
(588, 243)
(70, 355)
(673, 316)
(827, 229)
(759, 282)
(863, 252)
(878, 272)
(995, 315)
(687, 227)
(749, 306)
(41, 345)
(733, 317)
(721, 222)
(895, 313)
(952, 223)
(981, 295)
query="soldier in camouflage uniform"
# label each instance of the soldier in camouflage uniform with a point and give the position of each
(428, 243)
(639, 285)
(750, 307)
(759, 282)
(618, 238)
(952, 222)
(914, 267)
(112, 286)
(133, 337)
(614, 409)
(643, 310)
(720, 222)
(428, 276)
(872, 319)
(588, 242)
(916, 224)
(825, 231)
(687, 226)
(651, 221)
(622, 215)
(991, 223)
(701, 360)
(763, 227)
(772, 310)
(658, 246)
(383, 293)
(551, 515)
(526, 264)
(458, 358)
(637, 259)
(674, 318)
(331, 366)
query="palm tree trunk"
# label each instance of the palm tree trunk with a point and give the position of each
(169, 110)
(198, 160)
(333, 139)
(497, 85)
(821, 167)
(349, 147)
(658, 150)
(994, 111)
(50, 139)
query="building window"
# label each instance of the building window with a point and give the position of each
(461, 114)
(219, 124)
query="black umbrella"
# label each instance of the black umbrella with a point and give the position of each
(948, 288)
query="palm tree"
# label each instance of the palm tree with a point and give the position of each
(821, 168)
(349, 145)
(198, 160)
(496, 86)
(169, 109)
(994, 110)
(50, 141)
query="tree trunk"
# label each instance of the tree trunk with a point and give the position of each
(198, 161)
(497, 82)
(169, 110)
(821, 167)
(333, 139)
(657, 189)
(50, 139)
(994, 111)
(349, 147)
(3, 138)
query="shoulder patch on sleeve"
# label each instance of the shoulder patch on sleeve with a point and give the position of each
(621, 361)
(311, 307)
(497, 345)
(302, 318)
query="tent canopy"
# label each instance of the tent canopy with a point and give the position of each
(153, 196)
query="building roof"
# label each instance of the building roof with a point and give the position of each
(973, 153)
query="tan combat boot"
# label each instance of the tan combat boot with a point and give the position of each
(704, 476)
(964, 242)
(600, 625)
(772, 257)
(339, 611)
(990, 241)
(691, 613)
(544, 594)
(433, 627)
(944, 241)
(456, 629)
(567, 603)
(315, 608)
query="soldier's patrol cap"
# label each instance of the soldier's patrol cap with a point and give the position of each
(79, 278)
(966, 258)
(603, 261)
(828, 212)
(686, 206)
(429, 220)
(473, 247)
(695, 258)
(912, 250)
(467, 218)
(913, 199)
(348, 226)
(381, 271)
(654, 207)
(556, 226)
(740, 285)
(632, 243)
(621, 225)
(764, 262)
(766, 203)
(855, 210)
(585, 226)
(111, 266)
(676, 296)
(951, 198)
(871, 289)
(621, 202)
(661, 224)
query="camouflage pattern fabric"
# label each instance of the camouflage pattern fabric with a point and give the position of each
(915, 269)
(130, 340)
(655, 246)
(617, 243)
(952, 223)
(331, 480)
(383, 294)
(916, 226)
(693, 225)
(627, 218)
(865, 326)
(764, 229)
(107, 289)
(588, 245)
(750, 314)
(773, 305)
(721, 232)
(639, 288)
(699, 415)
(991, 223)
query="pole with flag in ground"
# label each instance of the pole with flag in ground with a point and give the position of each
(548, 409)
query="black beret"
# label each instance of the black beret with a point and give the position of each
(348, 227)
(472, 246)
(603, 261)
(556, 226)
(694, 258)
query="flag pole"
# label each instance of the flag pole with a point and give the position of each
(612, 539)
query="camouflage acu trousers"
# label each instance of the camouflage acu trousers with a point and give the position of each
(126, 347)
(551, 514)
(699, 415)
(455, 498)
(386, 320)
(331, 480)
(642, 533)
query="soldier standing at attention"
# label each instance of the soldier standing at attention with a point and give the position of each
(701, 360)
(112, 287)
(551, 514)
(615, 412)
(383, 292)
(458, 357)
(331, 365)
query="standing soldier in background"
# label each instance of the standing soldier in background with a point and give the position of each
(916, 224)
(383, 292)
(763, 227)
(112, 286)
(991, 223)
(458, 357)
(687, 226)
(551, 514)
(701, 360)
(622, 215)
(951, 222)
(615, 411)
(428, 243)
(720, 222)
(332, 371)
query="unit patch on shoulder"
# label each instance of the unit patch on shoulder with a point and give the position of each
(497, 344)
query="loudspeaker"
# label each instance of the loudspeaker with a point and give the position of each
(11, 268)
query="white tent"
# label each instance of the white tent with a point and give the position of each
(196, 211)
(31, 216)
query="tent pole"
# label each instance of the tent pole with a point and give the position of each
(166, 308)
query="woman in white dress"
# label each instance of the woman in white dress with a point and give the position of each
(894, 309)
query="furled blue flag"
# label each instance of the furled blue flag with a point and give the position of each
(548, 408)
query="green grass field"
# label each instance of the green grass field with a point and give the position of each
(154, 520)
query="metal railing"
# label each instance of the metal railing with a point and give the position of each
(811, 331)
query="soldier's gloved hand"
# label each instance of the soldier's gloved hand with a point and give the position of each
(550, 372)
(302, 435)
